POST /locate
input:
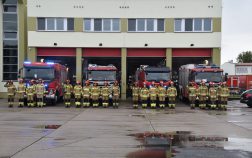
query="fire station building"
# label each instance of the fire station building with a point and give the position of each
(125, 33)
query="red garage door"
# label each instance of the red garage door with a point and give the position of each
(145, 52)
(191, 52)
(101, 52)
(56, 51)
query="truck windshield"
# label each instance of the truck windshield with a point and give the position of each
(102, 75)
(208, 76)
(44, 73)
(158, 76)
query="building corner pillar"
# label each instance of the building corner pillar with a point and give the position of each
(123, 73)
(79, 64)
(169, 57)
(216, 56)
(32, 54)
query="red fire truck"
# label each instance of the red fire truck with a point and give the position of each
(149, 74)
(197, 73)
(239, 83)
(53, 75)
(100, 74)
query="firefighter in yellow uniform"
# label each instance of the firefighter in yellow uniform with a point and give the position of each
(172, 94)
(105, 93)
(135, 94)
(86, 94)
(68, 89)
(161, 94)
(11, 90)
(77, 94)
(203, 93)
(30, 91)
(192, 93)
(95, 94)
(21, 92)
(144, 95)
(224, 94)
(115, 94)
(153, 95)
(40, 91)
(212, 95)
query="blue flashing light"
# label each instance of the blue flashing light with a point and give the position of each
(46, 85)
(50, 63)
(27, 62)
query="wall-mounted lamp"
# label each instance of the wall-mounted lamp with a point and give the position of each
(146, 44)
(55, 44)
(192, 45)
(100, 44)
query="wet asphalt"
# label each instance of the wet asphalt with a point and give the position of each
(55, 131)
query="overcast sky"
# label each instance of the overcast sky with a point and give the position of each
(236, 28)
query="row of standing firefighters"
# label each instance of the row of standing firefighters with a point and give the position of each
(92, 95)
(211, 97)
(84, 96)
(215, 97)
(155, 94)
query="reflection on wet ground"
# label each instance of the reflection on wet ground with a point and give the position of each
(185, 144)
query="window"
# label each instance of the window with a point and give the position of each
(146, 25)
(178, 23)
(193, 25)
(97, 24)
(102, 25)
(55, 24)
(10, 41)
(10, 9)
(132, 25)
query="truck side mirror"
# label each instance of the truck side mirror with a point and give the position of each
(226, 77)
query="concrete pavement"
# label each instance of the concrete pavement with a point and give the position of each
(106, 133)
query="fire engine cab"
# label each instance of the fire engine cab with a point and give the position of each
(100, 74)
(54, 75)
(196, 74)
(149, 74)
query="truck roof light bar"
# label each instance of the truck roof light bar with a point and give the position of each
(50, 63)
(27, 62)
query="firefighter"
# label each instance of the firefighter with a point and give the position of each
(203, 93)
(161, 94)
(172, 94)
(77, 94)
(135, 94)
(105, 93)
(86, 94)
(224, 94)
(115, 94)
(212, 95)
(11, 89)
(30, 91)
(40, 91)
(95, 94)
(21, 92)
(192, 93)
(153, 95)
(144, 95)
(68, 89)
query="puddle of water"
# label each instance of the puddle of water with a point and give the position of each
(47, 126)
(162, 145)
(239, 144)
(137, 115)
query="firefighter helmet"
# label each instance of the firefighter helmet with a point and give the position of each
(161, 83)
(136, 83)
(211, 84)
(67, 81)
(87, 82)
(116, 83)
(20, 80)
(171, 83)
